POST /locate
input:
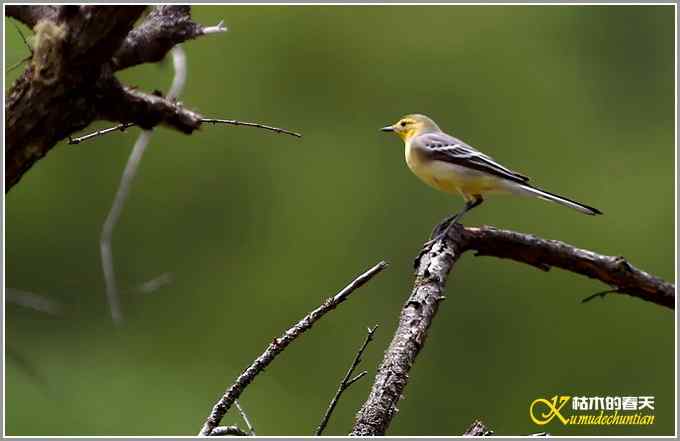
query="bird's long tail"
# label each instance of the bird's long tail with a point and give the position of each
(527, 190)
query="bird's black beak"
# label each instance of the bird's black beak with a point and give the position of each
(387, 129)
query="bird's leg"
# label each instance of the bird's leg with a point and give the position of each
(443, 225)
(469, 205)
(442, 229)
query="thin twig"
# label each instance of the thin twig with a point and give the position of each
(111, 221)
(154, 284)
(346, 382)
(245, 418)
(278, 345)
(600, 294)
(219, 27)
(31, 300)
(357, 378)
(233, 122)
(30, 50)
(179, 79)
(78, 140)
(228, 431)
(23, 38)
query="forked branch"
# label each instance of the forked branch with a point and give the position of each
(432, 272)
(346, 382)
(278, 345)
(70, 79)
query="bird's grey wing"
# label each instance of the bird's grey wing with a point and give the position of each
(443, 147)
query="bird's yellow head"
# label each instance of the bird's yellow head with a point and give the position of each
(412, 125)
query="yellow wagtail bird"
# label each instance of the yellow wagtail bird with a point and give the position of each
(452, 166)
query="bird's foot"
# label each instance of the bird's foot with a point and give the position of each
(438, 232)
(442, 227)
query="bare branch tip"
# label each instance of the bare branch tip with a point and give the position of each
(600, 294)
(355, 379)
(219, 27)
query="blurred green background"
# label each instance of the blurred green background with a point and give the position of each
(258, 228)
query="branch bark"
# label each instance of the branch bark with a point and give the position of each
(478, 428)
(228, 431)
(615, 271)
(433, 269)
(163, 28)
(278, 345)
(70, 81)
(30, 16)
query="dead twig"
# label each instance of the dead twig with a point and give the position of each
(346, 382)
(278, 345)
(599, 294)
(234, 122)
(119, 127)
(31, 300)
(245, 418)
(129, 173)
(122, 127)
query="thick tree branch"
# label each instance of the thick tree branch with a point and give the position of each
(69, 81)
(616, 272)
(278, 345)
(163, 28)
(31, 15)
(431, 275)
(416, 316)
(147, 110)
(57, 92)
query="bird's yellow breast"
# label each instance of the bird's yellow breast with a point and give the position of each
(447, 177)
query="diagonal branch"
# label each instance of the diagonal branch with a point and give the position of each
(346, 382)
(417, 314)
(278, 345)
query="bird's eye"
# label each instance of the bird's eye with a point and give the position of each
(403, 124)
